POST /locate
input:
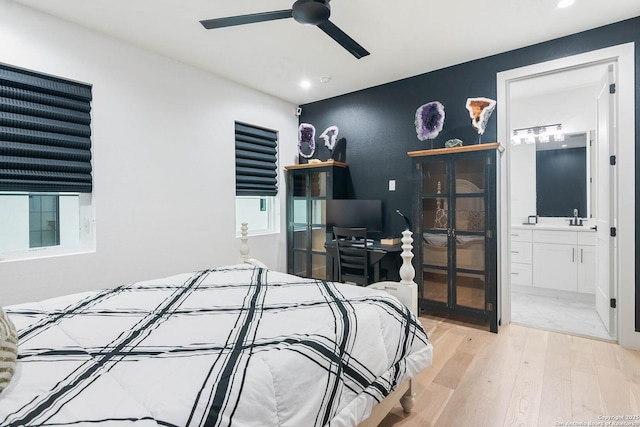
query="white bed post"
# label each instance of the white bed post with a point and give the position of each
(244, 246)
(407, 274)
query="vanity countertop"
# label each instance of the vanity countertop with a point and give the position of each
(553, 227)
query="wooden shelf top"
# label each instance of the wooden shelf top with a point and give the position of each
(329, 162)
(462, 149)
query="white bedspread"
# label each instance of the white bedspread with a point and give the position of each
(237, 345)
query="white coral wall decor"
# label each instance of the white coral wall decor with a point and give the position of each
(330, 136)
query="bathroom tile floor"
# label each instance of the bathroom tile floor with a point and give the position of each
(557, 314)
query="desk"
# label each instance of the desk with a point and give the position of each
(377, 253)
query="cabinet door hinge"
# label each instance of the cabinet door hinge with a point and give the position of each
(613, 232)
(489, 160)
(613, 303)
(489, 306)
(489, 234)
(612, 160)
(612, 88)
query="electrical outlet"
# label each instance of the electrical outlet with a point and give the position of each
(392, 185)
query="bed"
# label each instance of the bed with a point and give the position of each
(234, 345)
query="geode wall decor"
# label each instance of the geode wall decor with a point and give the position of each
(480, 110)
(429, 120)
(330, 136)
(306, 140)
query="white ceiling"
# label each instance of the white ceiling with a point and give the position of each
(405, 37)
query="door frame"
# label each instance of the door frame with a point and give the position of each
(624, 147)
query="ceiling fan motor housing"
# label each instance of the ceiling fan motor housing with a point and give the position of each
(311, 12)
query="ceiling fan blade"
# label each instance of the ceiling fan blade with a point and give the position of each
(343, 39)
(246, 19)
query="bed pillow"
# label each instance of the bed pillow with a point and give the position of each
(8, 349)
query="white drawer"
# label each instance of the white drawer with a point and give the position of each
(521, 274)
(518, 235)
(557, 237)
(521, 252)
(587, 238)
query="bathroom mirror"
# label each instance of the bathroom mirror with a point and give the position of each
(562, 177)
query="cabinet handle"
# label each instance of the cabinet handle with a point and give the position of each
(515, 252)
(573, 254)
(515, 235)
(582, 255)
(515, 274)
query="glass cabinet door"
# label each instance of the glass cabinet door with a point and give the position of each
(435, 231)
(300, 232)
(469, 233)
(318, 184)
(308, 206)
(318, 239)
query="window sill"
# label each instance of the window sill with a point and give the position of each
(40, 253)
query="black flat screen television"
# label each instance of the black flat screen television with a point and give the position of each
(354, 213)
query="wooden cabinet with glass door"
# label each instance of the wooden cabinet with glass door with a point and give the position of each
(454, 216)
(309, 186)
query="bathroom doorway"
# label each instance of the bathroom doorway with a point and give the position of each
(552, 270)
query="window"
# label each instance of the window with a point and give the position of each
(256, 178)
(44, 220)
(45, 164)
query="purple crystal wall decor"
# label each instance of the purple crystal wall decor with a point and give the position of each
(306, 140)
(429, 120)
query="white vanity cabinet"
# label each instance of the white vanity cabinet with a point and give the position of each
(521, 257)
(555, 259)
(587, 263)
(564, 260)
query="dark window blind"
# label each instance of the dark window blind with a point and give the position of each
(256, 161)
(45, 133)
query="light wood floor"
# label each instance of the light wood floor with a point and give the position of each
(520, 377)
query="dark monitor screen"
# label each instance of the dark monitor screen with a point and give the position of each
(354, 213)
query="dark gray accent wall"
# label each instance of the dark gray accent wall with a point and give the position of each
(378, 122)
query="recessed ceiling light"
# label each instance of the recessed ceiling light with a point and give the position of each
(565, 3)
(305, 84)
(325, 79)
(564, 145)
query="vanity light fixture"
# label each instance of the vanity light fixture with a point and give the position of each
(531, 137)
(542, 134)
(515, 139)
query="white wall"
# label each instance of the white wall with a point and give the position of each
(164, 163)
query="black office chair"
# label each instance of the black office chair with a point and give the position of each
(353, 257)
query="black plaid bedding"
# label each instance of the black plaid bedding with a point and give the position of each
(232, 346)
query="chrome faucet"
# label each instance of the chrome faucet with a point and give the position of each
(575, 220)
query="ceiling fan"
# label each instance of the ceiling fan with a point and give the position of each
(310, 12)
